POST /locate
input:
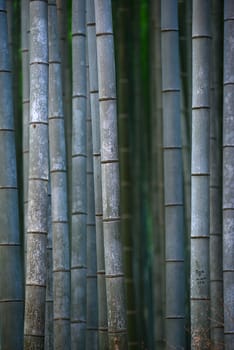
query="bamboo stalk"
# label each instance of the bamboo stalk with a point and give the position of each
(228, 175)
(200, 276)
(79, 196)
(59, 205)
(94, 104)
(34, 324)
(216, 277)
(173, 182)
(92, 297)
(11, 274)
(116, 310)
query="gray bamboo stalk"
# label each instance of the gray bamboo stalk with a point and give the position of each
(79, 196)
(48, 343)
(25, 107)
(65, 53)
(157, 175)
(58, 174)
(228, 175)
(116, 309)
(200, 276)
(9, 8)
(173, 182)
(123, 85)
(11, 275)
(92, 304)
(216, 273)
(94, 104)
(35, 289)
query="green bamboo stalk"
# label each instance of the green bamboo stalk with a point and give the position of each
(11, 275)
(200, 276)
(173, 182)
(116, 309)
(123, 86)
(216, 273)
(79, 196)
(157, 194)
(94, 104)
(136, 112)
(228, 175)
(58, 173)
(92, 304)
(34, 322)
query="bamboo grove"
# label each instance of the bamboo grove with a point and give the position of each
(117, 174)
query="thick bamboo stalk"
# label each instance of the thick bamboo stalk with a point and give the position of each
(34, 323)
(11, 275)
(79, 196)
(173, 181)
(116, 309)
(94, 104)
(216, 275)
(228, 175)
(200, 276)
(58, 174)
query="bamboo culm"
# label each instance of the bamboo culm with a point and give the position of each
(35, 289)
(11, 275)
(115, 290)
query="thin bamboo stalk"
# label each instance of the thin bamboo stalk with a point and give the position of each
(116, 309)
(93, 80)
(228, 175)
(92, 304)
(26, 106)
(79, 196)
(200, 276)
(157, 176)
(216, 274)
(49, 329)
(34, 323)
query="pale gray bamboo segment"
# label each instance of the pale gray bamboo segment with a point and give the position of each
(216, 277)
(11, 288)
(59, 214)
(35, 289)
(228, 177)
(79, 193)
(173, 189)
(116, 310)
(92, 305)
(200, 211)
